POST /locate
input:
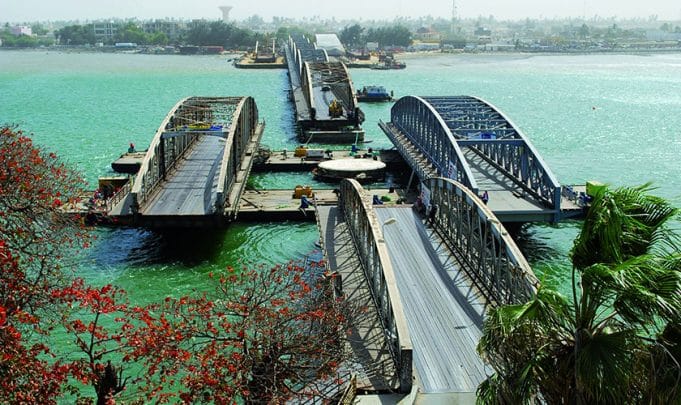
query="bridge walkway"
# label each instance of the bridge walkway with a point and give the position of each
(190, 189)
(374, 365)
(444, 312)
(506, 197)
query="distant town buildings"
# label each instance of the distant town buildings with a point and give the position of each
(105, 31)
(172, 29)
(19, 30)
(427, 34)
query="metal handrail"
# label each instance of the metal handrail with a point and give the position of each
(406, 116)
(118, 196)
(373, 255)
(148, 176)
(482, 244)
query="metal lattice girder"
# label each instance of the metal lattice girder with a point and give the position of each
(432, 123)
(373, 254)
(306, 51)
(180, 129)
(420, 124)
(481, 243)
(330, 73)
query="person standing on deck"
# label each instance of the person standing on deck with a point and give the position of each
(432, 213)
(304, 203)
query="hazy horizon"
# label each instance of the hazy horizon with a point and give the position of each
(40, 10)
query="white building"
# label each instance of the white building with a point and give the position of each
(330, 43)
(19, 30)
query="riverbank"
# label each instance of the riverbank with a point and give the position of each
(239, 55)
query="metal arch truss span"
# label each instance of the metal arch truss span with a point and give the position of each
(481, 243)
(443, 127)
(233, 118)
(373, 254)
(421, 125)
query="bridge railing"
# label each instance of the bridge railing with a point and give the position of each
(242, 128)
(481, 243)
(156, 162)
(523, 162)
(423, 126)
(306, 84)
(373, 254)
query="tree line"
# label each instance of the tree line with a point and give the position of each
(356, 36)
(204, 33)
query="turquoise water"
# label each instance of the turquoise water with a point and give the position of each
(88, 107)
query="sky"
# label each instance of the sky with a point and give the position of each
(45, 10)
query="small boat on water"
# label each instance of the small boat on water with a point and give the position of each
(374, 94)
(129, 163)
(388, 64)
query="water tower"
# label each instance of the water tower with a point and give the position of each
(225, 12)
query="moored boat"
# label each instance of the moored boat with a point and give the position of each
(374, 94)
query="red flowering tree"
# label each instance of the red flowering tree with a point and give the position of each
(34, 239)
(265, 336)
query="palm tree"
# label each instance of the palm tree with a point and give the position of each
(617, 340)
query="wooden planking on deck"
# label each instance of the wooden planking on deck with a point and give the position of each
(190, 188)
(444, 313)
(372, 362)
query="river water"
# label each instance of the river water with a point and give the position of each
(613, 118)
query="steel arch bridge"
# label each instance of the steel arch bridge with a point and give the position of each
(471, 141)
(316, 83)
(197, 164)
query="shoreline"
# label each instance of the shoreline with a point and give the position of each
(401, 55)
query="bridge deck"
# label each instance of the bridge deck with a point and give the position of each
(190, 189)
(506, 198)
(444, 313)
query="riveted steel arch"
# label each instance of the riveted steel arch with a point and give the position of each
(425, 128)
(481, 243)
(368, 238)
(477, 124)
(241, 131)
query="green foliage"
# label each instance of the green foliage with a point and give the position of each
(397, 35)
(76, 35)
(157, 38)
(617, 340)
(38, 29)
(23, 41)
(622, 223)
(218, 33)
(131, 32)
(352, 36)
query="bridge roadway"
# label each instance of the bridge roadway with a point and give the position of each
(431, 285)
(316, 82)
(443, 310)
(191, 188)
(197, 164)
